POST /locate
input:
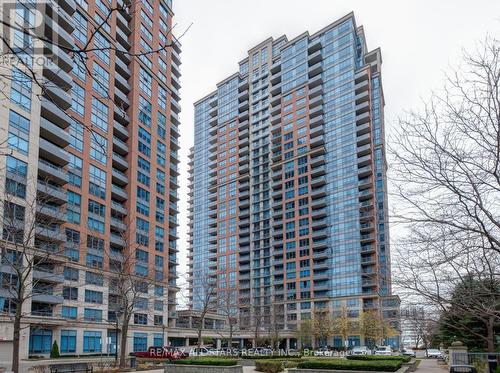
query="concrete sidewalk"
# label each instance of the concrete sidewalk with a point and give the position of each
(431, 366)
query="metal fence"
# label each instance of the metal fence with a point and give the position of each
(484, 362)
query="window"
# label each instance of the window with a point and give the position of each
(20, 92)
(144, 111)
(158, 320)
(80, 31)
(158, 340)
(70, 293)
(79, 70)
(40, 341)
(73, 212)
(95, 261)
(102, 46)
(100, 81)
(92, 314)
(145, 82)
(76, 135)
(97, 182)
(15, 188)
(68, 341)
(140, 342)
(95, 243)
(91, 341)
(162, 125)
(17, 166)
(19, 128)
(140, 319)
(68, 312)
(70, 274)
(78, 100)
(92, 296)
(93, 278)
(99, 115)
(96, 208)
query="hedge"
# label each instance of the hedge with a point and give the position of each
(269, 366)
(341, 364)
(264, 357)
(404, 359)
(206, 361)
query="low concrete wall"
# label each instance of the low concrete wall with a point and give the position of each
(300, 370)
(179, 368)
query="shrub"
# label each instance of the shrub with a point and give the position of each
(54, 352)
(218, 361)
(265, 357)
(341, 364)
(269, 366)
(404, 359)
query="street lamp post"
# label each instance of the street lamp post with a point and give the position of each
(163, 334)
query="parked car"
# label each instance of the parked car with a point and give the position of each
(383, 351)
(408, 352)
(360, 350)
(433, 353)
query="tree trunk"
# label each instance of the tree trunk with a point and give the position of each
(123, 343)
(200, 329)
(15, 342)
(491, 334)
(230, 342)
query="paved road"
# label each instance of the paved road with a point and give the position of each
(431, 366)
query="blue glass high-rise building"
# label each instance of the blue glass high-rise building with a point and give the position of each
(288, 185)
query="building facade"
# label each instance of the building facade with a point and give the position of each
(288, 196)
(89, 173)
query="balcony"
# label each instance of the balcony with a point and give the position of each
(45, 276)
(118, 224)
(121, 98)
(52, 192)
(120, 162)
(119, 177)
(117, 240)
(58, 96)
(120, 131)
(50, 232)
(53, 133)
(122, 68)
(51, 213)
(118, 193)
(119, 146)
(52, 172)
(53, 152)
(57, 116)
(118, 207)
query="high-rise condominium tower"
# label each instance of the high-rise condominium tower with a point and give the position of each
(288, 186)
(88, 173)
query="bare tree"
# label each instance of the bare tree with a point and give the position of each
(128, 290)
(205, 300)
(31, 267)
(446, 173)
(227, 306)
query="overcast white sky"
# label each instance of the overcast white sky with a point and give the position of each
(419, 39)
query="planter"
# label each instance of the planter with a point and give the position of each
(412, 365)
(173, 368)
